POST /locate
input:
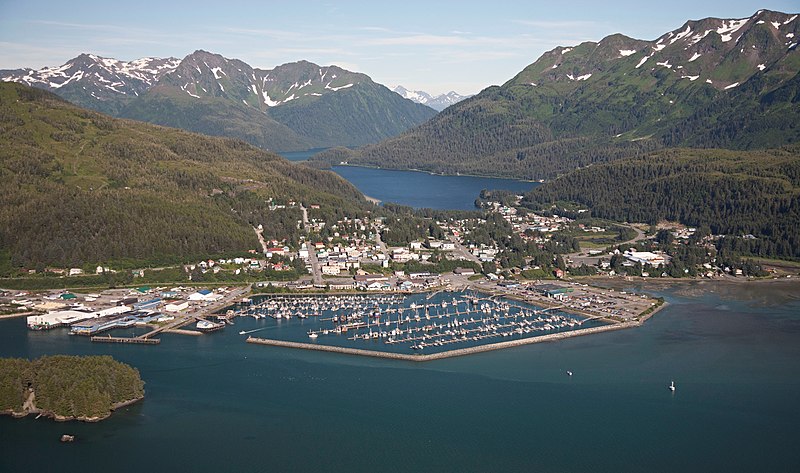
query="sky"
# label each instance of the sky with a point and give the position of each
(435, 46)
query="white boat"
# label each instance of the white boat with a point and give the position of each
(242, 332)
(672, 386)
(569, 373)
(313, 335)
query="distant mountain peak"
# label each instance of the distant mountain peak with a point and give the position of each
(438, 102)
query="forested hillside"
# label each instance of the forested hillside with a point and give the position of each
(712, 83)
(77, 186)
(67, 387)
(754, 196)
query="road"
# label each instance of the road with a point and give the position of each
(312, 252)
(578, 260)
(462, 251)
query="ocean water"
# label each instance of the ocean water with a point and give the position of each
(420, 189)
(215, 403)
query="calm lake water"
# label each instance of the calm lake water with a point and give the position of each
(215, 403)
(420, 189)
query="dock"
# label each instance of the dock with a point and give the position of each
(444, 354)
(135, 340)
(180, 331)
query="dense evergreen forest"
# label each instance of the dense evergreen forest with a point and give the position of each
(752, 197)
(67, 386)
(77, 186)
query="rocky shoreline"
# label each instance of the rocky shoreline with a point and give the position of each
(33, 410)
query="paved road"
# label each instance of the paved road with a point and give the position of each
(578, 260)
(312, 253)
(462, 251)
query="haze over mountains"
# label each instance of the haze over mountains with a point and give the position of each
(294, 106)
(438, 102)
(729, 83)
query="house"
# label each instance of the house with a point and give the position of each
(75, 272)
(558, 272)
(331, 269)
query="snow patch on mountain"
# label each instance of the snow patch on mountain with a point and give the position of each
(730, 27)
(625, 52)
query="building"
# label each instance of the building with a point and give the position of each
(464, 271)
(177, 307)
(645, 257)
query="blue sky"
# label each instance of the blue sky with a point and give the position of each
(434, 46)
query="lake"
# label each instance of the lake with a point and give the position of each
(215, 403)
(420, 189)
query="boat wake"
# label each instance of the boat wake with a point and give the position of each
(245, 332)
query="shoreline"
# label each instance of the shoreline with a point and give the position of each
(60, 418)
(437, 173)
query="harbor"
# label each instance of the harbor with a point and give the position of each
(418, 327)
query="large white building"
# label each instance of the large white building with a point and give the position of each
(645, 257)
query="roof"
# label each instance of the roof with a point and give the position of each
(67, 296)
(143, 289)
(204, 292)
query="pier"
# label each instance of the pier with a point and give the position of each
(135, 340)
(180, 331)
(444, 354)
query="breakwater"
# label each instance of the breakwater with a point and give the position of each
(444, 354)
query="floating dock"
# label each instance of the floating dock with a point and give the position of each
(444, 354)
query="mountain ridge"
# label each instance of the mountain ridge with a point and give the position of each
(710, 83)
(234, 99)
(437, 102)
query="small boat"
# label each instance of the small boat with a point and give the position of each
(672, 386)
(569, 373)
(313, 335)
(242, 332)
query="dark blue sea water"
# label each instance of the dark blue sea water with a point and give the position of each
(215, 403)
(420, 189)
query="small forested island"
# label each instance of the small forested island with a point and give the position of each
(61, 387)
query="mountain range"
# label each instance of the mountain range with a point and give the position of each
(294, 106)
(437, 102)
(725, 83)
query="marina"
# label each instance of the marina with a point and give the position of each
(408, 324)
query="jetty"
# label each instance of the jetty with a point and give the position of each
(418, 357)
(134, 340)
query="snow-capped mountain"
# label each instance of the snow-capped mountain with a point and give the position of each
(298, 105)
(711, 83)
(90, 78)
(438, 102)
